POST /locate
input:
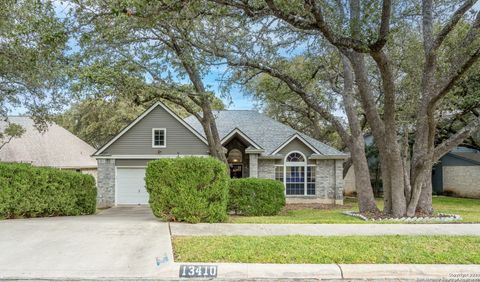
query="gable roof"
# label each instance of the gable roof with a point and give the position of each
(143, 115)
(235, 131)
(56, 147)
(293, 137)
(269, 134)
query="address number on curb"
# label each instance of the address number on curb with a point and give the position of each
(198, 271)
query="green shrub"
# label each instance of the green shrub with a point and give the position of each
(256, 196)
(28, 191)
(191, 189)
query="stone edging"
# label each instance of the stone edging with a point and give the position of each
(443, 217)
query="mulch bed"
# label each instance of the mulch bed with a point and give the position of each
(418, 216)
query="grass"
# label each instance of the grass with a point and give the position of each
(314, 249)
(468, 209)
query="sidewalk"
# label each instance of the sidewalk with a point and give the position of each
(231, 229)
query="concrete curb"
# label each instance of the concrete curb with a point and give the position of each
(241, 271)
(233, 229)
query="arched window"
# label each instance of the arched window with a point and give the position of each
(296, 174)
(235, 156)
(295, 157)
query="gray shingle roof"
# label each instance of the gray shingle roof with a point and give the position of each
(55, 147)
(266, 132)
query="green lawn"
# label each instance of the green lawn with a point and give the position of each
(314, 249)
(468, 209)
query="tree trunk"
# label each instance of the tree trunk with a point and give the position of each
(425, 202)
(399, 205)
(363, 185)
(208, 120)
(387, 190)
(211, 131)
(356, 143)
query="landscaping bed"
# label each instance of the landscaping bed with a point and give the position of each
(332, 249)
(418, 218)
(467, 209)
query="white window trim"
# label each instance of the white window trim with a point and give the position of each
(165, 137)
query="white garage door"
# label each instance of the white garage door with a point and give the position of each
(131, 186)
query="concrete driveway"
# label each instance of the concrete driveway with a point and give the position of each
(121, 242)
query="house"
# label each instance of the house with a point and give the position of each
(56, 147)
(458, 173)
(255, 146)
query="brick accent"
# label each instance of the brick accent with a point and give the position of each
(462, 181)
(339, 183)
(266, 169)
(105, 183)
(253, 165)
(329, 180)
(325, 179)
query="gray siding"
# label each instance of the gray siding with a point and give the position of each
(138, 140)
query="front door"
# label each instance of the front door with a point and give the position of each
(236, 171)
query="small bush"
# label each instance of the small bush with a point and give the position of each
(28, 191)
(255, 196)
(191, 189)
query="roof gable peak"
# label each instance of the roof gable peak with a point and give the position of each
(293, 137)
(142, 116)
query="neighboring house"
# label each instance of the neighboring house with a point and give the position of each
(255, 145)
(56, 147)
(458, 173)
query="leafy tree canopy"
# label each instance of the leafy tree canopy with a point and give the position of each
(32, 58)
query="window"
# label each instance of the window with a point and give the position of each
(311, 180)
(159, 137)
(295, 158)
(295, 180)
(279, 173)
(297, 176)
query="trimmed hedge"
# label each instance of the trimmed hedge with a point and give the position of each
(191, 189)
(256, 196)
(28, 191)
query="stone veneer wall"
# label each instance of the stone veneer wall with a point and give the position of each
(325, 179)
(339, 183)
(328, 180)
(253, 165)
(105, 183)
(266, 169)
(462, 181)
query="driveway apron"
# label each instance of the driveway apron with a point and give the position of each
(118, 242)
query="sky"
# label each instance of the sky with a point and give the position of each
(236, 99)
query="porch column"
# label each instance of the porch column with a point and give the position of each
(253, 165)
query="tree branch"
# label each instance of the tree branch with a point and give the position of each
(455, 140)
(457, 73)
(384, 27)
(341, 42)
(450, 25)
